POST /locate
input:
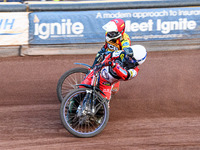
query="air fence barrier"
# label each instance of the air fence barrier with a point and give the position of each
(50, 28)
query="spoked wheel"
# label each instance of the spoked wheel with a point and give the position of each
(69, 80)
(82, 122)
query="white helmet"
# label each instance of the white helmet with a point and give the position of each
(137, 52)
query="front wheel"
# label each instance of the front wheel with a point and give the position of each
(79, 121)
(69, 80)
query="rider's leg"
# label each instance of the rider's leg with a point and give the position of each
(105, 87)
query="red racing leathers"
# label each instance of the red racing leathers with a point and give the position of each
(116, 66)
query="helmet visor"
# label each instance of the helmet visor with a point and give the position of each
(113, 34)
(128, 51)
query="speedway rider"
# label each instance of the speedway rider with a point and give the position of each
(116, 39)
(118, 65)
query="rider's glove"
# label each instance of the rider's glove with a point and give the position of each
(103, 49)
(100, 54)
(108, 63)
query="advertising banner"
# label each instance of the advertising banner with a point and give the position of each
(14, 28)
(141, 25)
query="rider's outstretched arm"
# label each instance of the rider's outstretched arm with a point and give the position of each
(125, 74)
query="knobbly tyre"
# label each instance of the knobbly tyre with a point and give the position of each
(84, 112)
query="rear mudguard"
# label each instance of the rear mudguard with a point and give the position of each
(88, 66)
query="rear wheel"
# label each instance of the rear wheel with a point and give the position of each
(69, 80)
(77, 120)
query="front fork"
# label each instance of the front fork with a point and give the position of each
(88, 104)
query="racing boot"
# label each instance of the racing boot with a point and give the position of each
(115, 88)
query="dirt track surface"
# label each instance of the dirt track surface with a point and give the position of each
(159, 109)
